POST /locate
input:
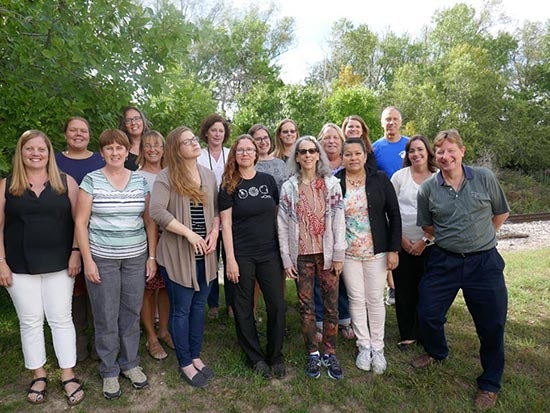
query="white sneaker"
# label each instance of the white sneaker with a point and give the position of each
(136, 377)
(363, 360)
(378, 361)
(111, 388)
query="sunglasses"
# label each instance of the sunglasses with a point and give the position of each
(311, 151)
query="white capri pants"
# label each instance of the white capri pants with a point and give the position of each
(50, 294)
(365, 282)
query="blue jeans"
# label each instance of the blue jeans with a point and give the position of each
(186, 322)
(481, 279)
(116, 305)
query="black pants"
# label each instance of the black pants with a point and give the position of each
(406, 278)
(267, 270)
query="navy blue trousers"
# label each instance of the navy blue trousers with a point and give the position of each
(481, 279)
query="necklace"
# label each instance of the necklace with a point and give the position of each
(356, 183)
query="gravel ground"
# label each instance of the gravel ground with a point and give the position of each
(529, 235)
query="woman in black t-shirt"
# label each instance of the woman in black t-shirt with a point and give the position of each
(39, 259)
(248, 208)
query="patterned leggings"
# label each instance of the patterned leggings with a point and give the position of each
(309, 267)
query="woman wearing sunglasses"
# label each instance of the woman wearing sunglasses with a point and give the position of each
(312, 242)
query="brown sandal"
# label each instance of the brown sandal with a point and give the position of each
(40, 394)
(156, 351)
(168, 341)
(72, 400)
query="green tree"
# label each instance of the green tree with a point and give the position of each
(236, 52)
(63, 58)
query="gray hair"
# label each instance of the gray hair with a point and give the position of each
(322, 168)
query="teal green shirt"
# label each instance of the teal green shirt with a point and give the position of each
(462, 220)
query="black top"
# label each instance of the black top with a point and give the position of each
(254, 215)
(38, 231)
(384, 215)
(131, 162)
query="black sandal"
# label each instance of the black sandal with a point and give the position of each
(41, 394)
(71, 399)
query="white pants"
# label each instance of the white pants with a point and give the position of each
(365, 281)
(47, 294)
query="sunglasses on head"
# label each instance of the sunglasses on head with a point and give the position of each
(311, 151)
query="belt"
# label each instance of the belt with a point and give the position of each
(463, 254)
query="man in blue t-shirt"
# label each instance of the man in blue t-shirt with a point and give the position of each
(389, 150)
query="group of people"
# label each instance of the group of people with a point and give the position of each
(136, 231)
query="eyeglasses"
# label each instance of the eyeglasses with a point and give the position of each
(135, 119)
(248, 151)
(262, 139)
(288, 131)
(154, 146)
(311, 151)
(190, 141)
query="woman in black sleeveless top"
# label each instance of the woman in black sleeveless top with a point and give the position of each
(38, 259)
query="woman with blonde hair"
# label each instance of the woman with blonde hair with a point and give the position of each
(39, 259)
(285, 137)
(184, 205)
(155, 298)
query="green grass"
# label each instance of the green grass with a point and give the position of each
(449, 387)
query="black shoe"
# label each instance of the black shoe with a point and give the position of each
(333, 366)
(207, 372)
(198, 380)
(279, 370)
(313, 366)
(261, 368)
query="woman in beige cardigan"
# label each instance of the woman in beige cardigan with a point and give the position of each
(184, 205)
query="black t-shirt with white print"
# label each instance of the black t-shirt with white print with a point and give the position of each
(254, 215)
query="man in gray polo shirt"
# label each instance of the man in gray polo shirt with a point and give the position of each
(463, 207)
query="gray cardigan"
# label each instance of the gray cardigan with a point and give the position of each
(174, 251)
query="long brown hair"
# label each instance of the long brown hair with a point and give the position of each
(180, 174)
(231, 176)
(279, 150)
(432, 166)
(364, 135)
(19, 181)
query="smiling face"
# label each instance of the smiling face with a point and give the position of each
(331, 142)
(153, 149)
(77, 135)
(261, 138)
(114, 154)
(215, 135)
(133, 122)
(307, 155)
(354, 157)
(35, 154)
(448, 156)
(391, 123)
(189, 145)
(288, 134)
(245, 153)
(417, 154)
(354, 129)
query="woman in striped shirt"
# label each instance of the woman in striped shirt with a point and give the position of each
(117, 240)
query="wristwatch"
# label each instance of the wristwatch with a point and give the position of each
(427, 241)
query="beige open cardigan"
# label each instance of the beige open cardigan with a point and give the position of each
(174, 251)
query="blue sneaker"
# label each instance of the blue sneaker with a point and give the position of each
(313, 366)
(333, 366)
